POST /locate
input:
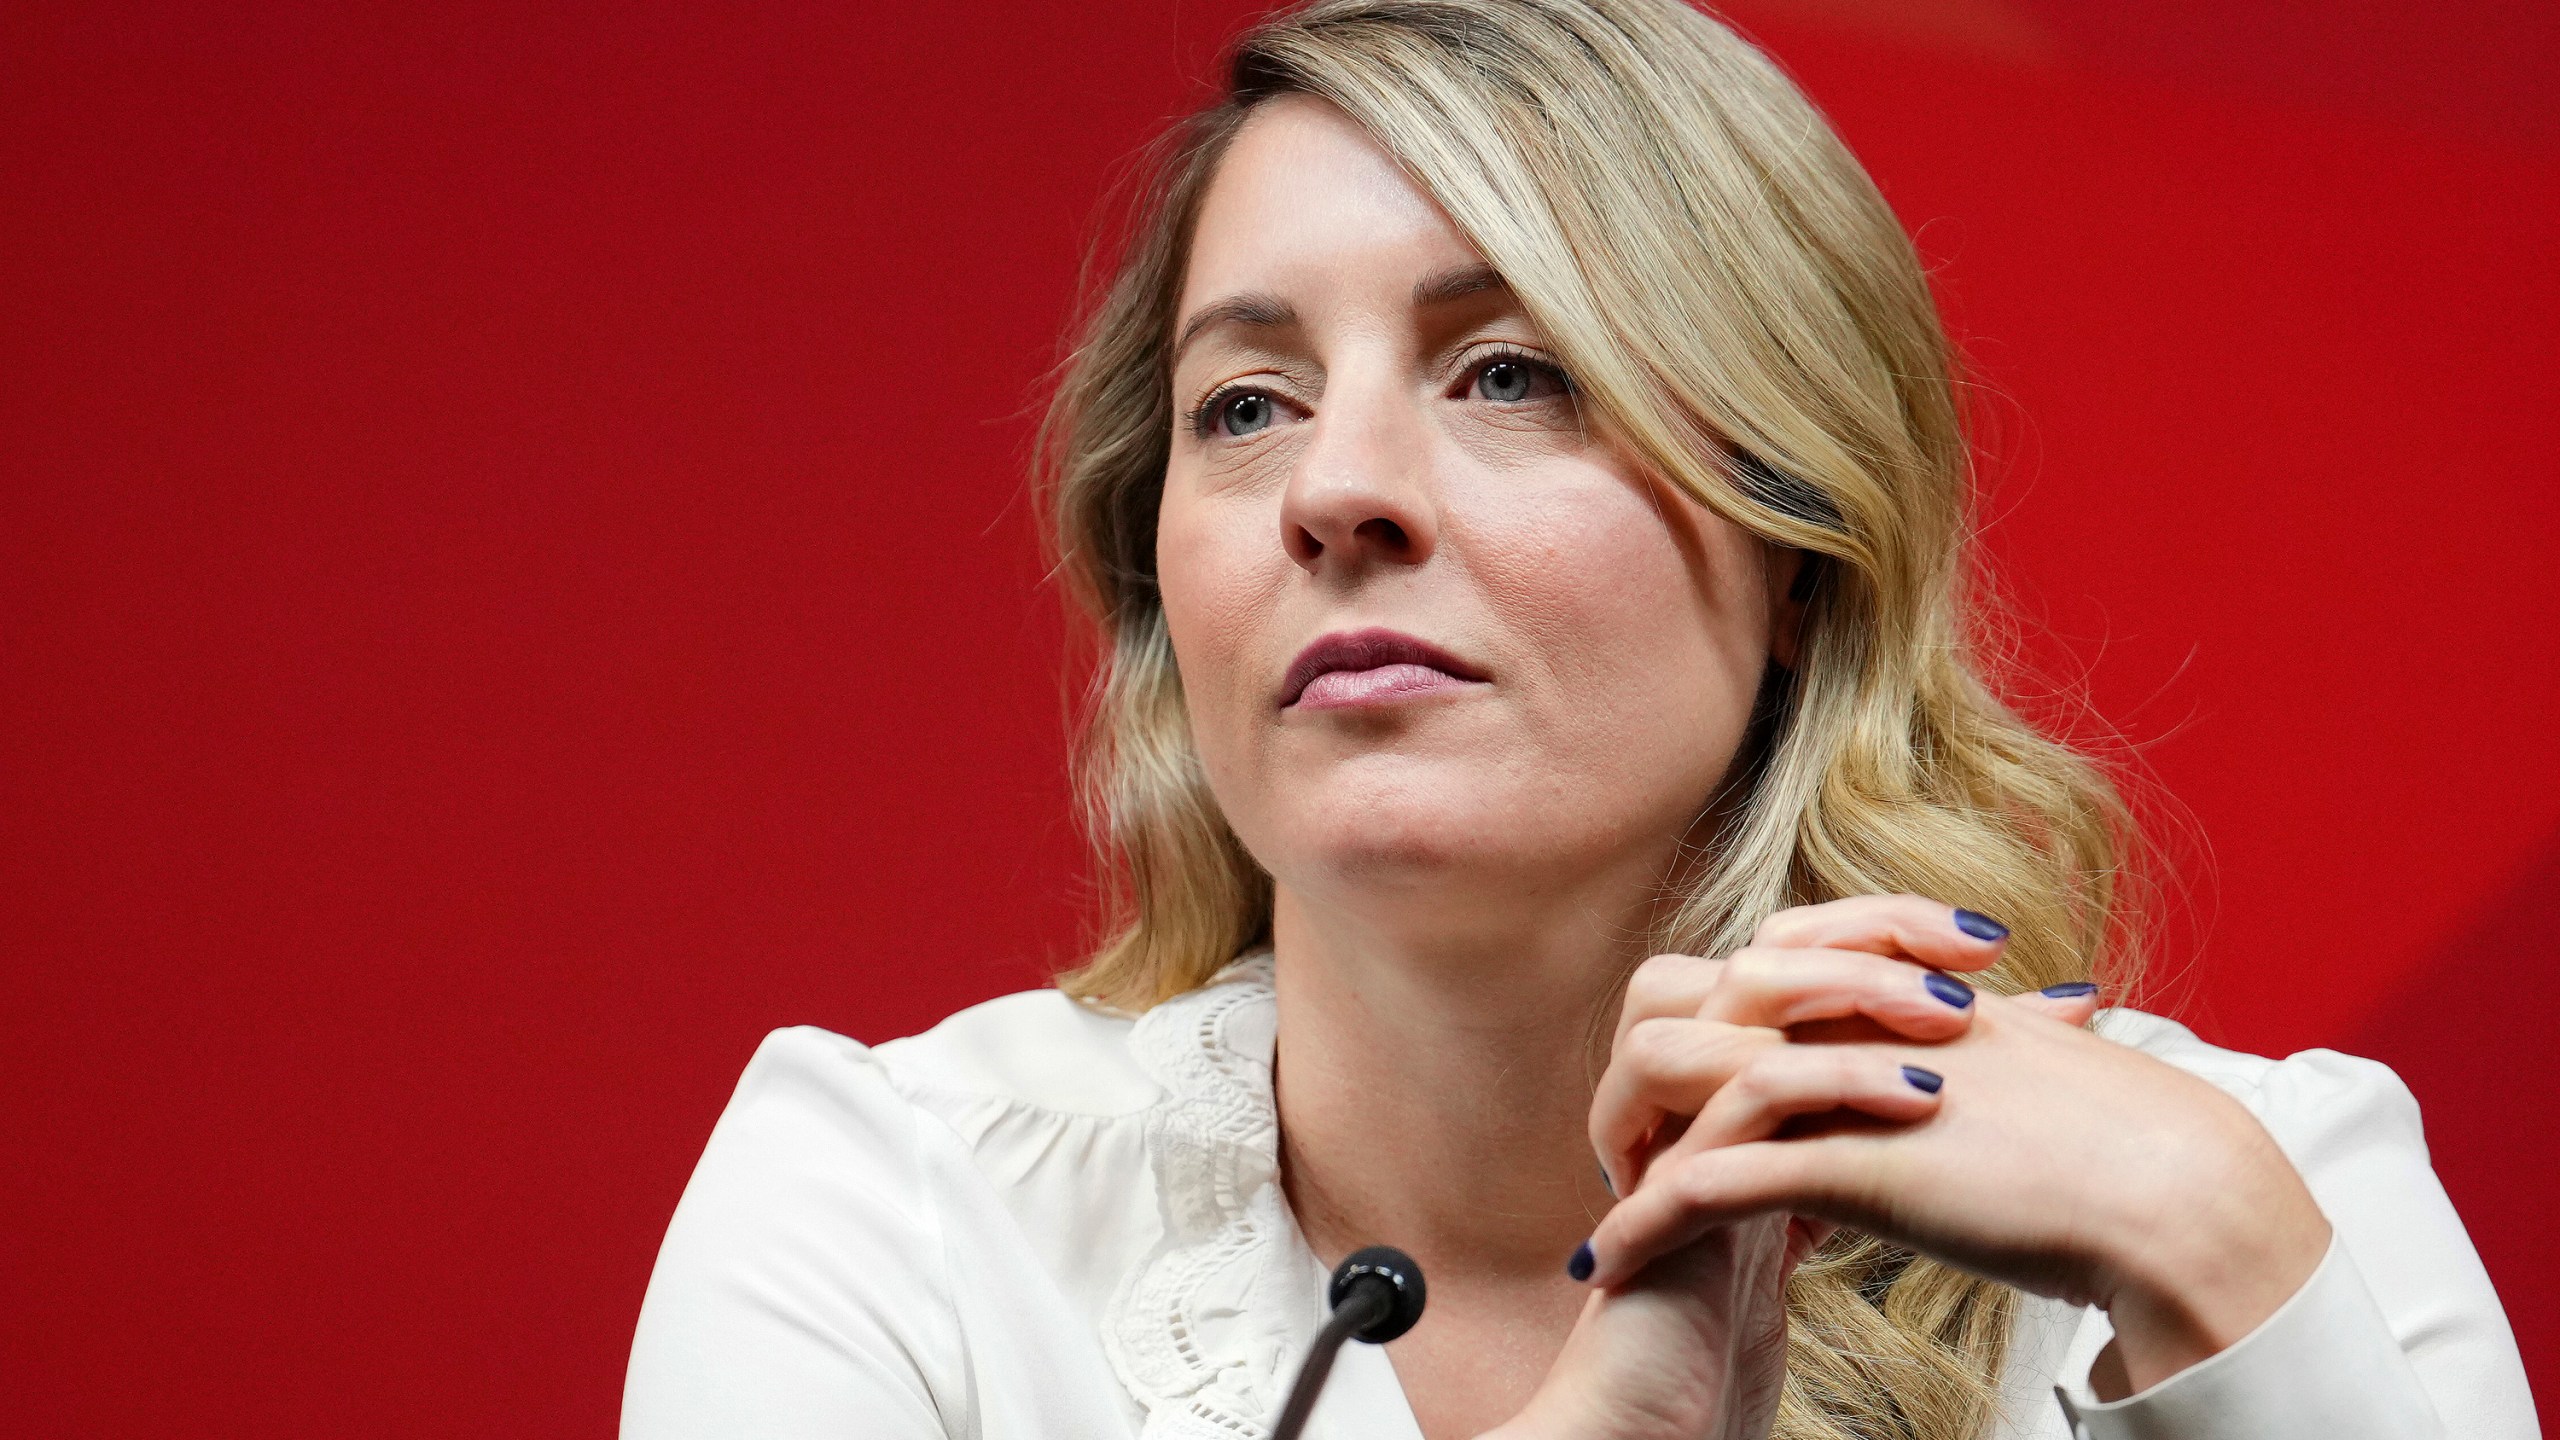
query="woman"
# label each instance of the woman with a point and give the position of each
(1517, 477)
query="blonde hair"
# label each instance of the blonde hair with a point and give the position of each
(1736, 304)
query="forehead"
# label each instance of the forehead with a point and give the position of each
(1305, 202)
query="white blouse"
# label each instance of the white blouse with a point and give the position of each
(1036, 1220)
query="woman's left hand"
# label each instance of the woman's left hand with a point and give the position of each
(2050, 1159)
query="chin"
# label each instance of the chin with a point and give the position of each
(1411, 835)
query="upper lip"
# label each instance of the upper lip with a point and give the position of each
(1367, 650)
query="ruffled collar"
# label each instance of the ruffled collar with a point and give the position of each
(1206, 1331)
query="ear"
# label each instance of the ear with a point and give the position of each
(1792, 577)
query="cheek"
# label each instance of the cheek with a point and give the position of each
(1214, 571)
(1648, 623)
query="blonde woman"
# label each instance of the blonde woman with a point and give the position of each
(1516, 479)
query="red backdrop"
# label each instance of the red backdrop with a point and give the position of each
(515, 584)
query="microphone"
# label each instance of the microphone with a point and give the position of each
(1376, 1296)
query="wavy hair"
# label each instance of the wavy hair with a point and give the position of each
(1738, 305)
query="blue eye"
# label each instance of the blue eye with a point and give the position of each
(1241, 415)
(1503, 380)
(1510, 380)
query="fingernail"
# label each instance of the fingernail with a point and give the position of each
(1980, 927)
(1579, 1267)
(2070, 989)
(1607, 1184)
(1948, 988)
(1920, 1079)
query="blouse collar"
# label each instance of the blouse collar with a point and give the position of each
(1206, 1332)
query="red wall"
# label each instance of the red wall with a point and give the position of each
(513, 583)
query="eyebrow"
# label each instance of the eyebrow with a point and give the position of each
(1259, 311)
(1457, 284)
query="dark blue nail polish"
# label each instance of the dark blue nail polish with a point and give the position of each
(1980, 927)
(1920, 1079)
(2070, 989)
(1948, 988)
(1605, 1183)
(1579, 1267)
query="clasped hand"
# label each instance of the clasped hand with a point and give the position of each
(1835, 1073)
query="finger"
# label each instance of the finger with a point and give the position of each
(1778, 988)
(1680, 1202)
(1666, 985)
(1784, 1081)
(2074, 1003)
(1662, 1067)
(1664, 1064)
(1929, 931)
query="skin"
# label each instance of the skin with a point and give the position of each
(1370, 432)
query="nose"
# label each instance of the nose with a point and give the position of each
(1359, 496)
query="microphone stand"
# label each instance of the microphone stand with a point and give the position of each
(1376, 1296)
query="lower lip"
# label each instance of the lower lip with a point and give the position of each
(1385, 685)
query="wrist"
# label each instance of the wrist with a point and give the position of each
(2211, 1267)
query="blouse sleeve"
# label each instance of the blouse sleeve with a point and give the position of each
(801, 1289)
(2397, 1334)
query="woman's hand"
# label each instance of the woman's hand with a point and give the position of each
(1693, 1347)
(1802, 1079)
(1689, 1025)
(1694, 1342)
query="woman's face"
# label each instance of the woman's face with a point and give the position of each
(1431, 628)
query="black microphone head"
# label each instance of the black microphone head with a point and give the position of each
(1402, 1277)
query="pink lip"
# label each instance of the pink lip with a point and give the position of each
(1370, 667)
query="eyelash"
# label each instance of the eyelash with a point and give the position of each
(1199, 417)
(1507, 355)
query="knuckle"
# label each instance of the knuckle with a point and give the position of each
(1655, 1045)
(1761, 1077)
(1785, 927)
(1656, 977)
(1751, 966)
(1665, 965)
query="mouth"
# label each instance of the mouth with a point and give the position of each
(1370, 667)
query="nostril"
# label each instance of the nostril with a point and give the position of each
(1386, 534)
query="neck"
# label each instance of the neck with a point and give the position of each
(1434, 1090)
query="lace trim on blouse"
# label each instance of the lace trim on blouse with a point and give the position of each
(1203, 1331)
